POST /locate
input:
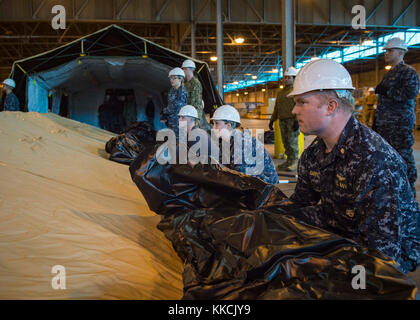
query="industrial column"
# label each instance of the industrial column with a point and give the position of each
(288, 32)
(219, 49)
(192, 29)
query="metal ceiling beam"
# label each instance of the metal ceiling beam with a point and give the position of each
(162, 10)
(82, 7)
(403, 12)
(34, 16)
(123, 9)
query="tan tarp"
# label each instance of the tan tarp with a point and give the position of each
(62, 202)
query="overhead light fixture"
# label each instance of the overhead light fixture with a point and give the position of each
(368, 43)
(275, 70)
(245, 93)
(213, 58)
(281, 86)
(239, 40)
(254, 77)
(263, 90)
(235, 83)
(237, 94)
(224, 86)
(388, 67)
(314, 58)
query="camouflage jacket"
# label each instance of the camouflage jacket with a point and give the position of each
(360, 190)
(195, 94)
(284, 105)
(176, 100)
(396, 105)
(261, 167)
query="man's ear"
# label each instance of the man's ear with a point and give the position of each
(332, 106)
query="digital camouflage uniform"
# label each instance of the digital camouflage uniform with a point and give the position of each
(195, 97)
(11, 103)
(395, 113)
(176, 100)
(288, 126)
(252, 147)
(363, 191)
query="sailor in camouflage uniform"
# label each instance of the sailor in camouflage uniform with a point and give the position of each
(288, 125)
(195, 93)
(246, 154)
(395, 114)
(350, 180)
(177, 98)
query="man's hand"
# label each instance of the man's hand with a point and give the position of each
(270, 125)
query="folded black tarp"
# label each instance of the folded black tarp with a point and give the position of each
(125, 147)
(236, 242)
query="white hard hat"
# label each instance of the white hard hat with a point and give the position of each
(226, 113)
(396, 43)
(291, 72)
(188, 111)
(10, 82)
(188, 64)
(177, 72)
(321, 74)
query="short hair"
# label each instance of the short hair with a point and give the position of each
(345, 98)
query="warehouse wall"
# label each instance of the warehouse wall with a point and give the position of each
(364, 79)
(367, 79)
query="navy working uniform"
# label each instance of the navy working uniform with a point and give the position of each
(250, 147)
(395, 114)
(176, 100)
(11, 103)
(364, 194)
(289, 127)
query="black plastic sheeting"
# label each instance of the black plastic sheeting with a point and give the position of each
(125, 147)
(236, 242)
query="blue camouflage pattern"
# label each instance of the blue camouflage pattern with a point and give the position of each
(176, 100)
(11, 103)
(360, 190)
(395, 114)
(250, 146)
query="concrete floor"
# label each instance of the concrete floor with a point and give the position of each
(288, 189)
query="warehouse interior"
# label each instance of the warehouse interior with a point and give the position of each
(242, 48)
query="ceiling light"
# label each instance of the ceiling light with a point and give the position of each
(213, 58)
(254, 77)
(263, 90)
(368, 43)
(237, 94)
(245, 93)
(275, 70)
(314, 58)
(239, 40)
(387, 67)
(281, 86)
(235, 83)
